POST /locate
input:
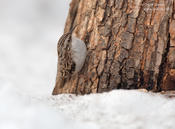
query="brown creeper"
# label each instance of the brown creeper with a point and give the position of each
(71, 57)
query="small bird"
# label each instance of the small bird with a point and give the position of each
(71, 58)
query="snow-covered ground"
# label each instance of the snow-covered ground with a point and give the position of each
(29, 30)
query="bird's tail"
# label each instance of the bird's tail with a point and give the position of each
(58, 86)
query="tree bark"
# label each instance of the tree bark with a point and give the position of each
(131, 45)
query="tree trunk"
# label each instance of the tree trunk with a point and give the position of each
(130, 43)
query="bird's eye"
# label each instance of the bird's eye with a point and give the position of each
(69, 39)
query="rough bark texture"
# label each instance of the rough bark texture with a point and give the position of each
(131, 44)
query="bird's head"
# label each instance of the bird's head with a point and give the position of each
(69, 35)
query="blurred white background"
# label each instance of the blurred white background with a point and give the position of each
(29, 31)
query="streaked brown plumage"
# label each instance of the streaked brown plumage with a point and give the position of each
(66, 65)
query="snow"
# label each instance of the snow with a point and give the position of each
(28, 37)
(19, 111)
(119, 109)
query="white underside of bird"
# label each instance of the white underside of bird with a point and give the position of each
(79, 53)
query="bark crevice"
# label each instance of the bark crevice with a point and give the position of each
(163, 65)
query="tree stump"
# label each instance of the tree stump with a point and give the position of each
(130, 43)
